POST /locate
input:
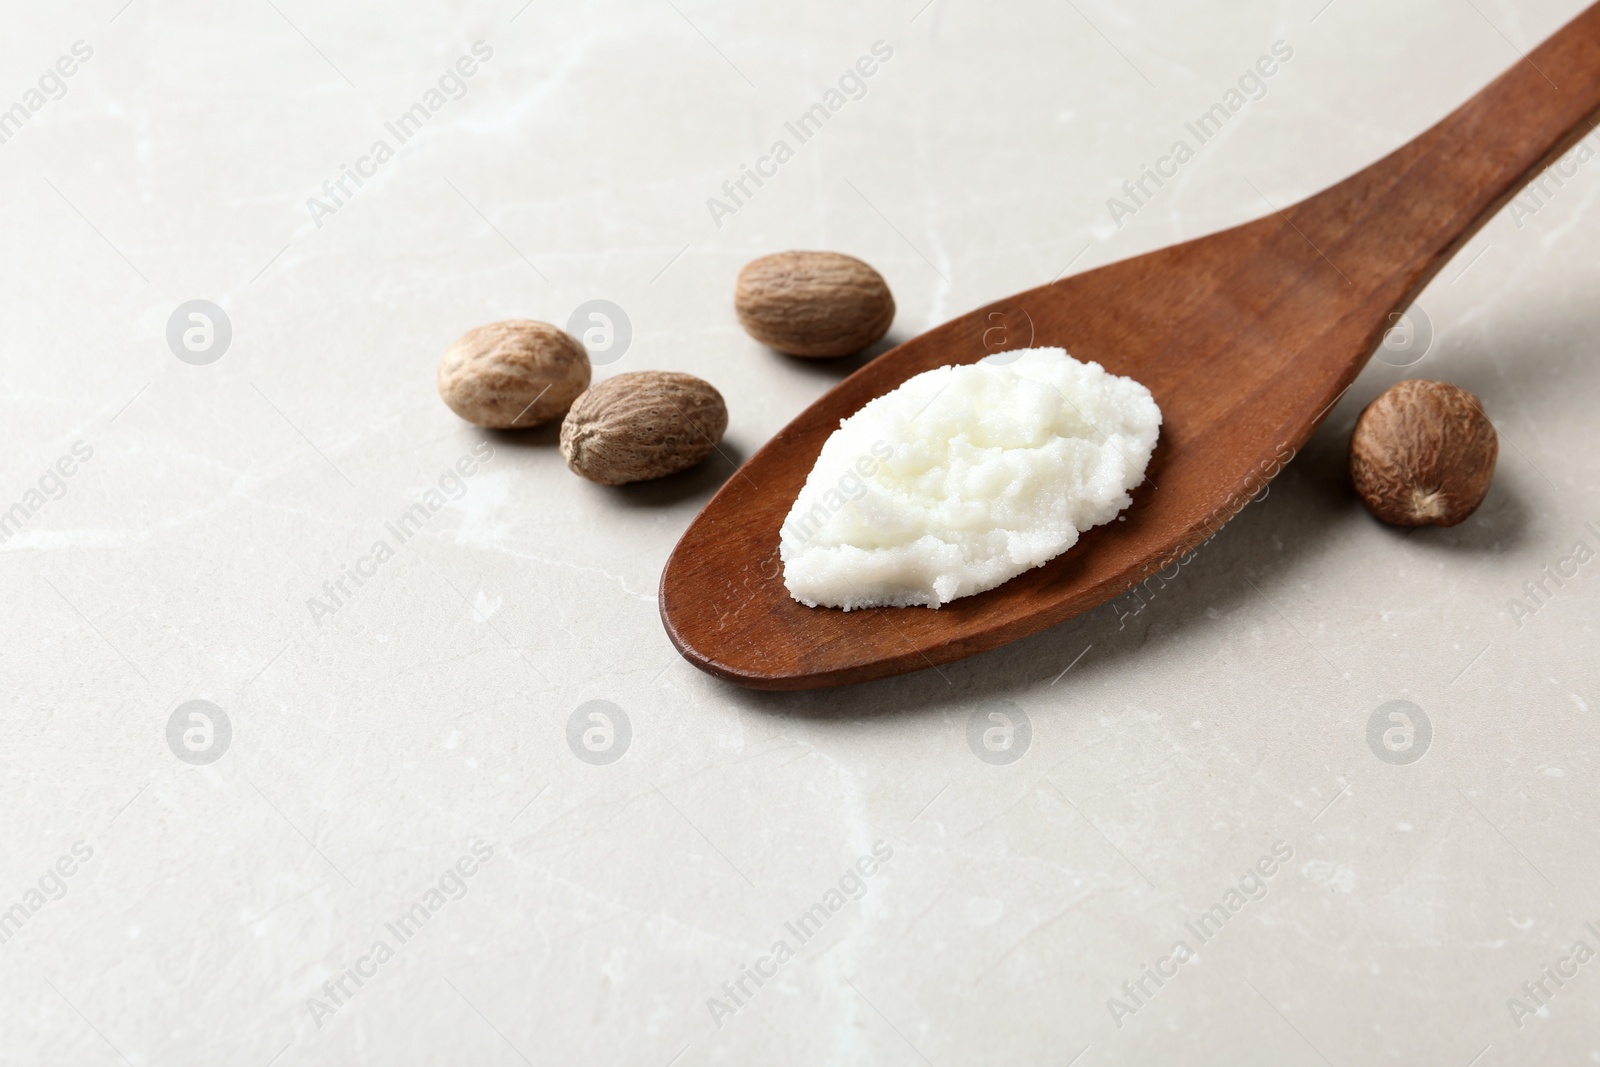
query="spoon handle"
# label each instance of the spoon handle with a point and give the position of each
(1391, 227)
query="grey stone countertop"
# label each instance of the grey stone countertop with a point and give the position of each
(396, 829)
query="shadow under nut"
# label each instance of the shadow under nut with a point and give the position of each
(512, 375)
(814, 304)
(642, 425)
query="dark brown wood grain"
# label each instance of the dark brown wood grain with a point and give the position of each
(1246, 339)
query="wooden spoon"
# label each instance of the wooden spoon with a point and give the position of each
(1246, 338)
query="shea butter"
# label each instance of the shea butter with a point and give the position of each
(965, 477)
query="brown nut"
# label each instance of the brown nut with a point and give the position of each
(508, 375)
(643, 424)
(1423, 454)
(814, 304)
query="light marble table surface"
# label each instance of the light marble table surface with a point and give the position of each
(393, 833)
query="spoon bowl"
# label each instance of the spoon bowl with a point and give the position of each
(1246, 339)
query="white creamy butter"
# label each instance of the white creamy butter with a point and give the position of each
(963, 478)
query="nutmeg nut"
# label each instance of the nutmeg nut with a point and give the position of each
(514, 374)
(813, 304)
(1423, 454)
(641, 425)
